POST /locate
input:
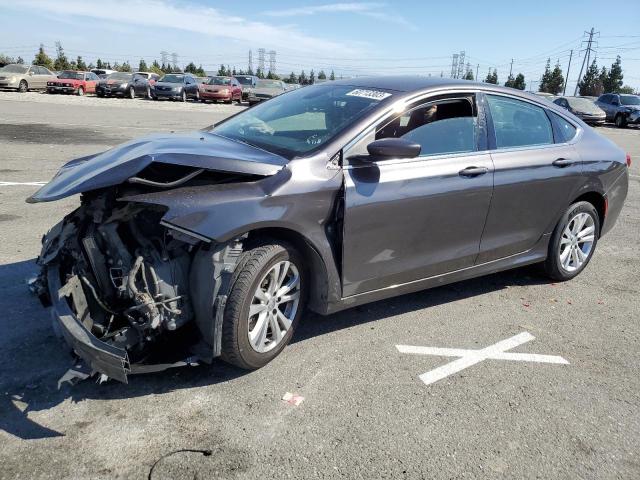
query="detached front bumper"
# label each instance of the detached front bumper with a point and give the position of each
(99, 356)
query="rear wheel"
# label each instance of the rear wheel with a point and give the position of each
(23, 86)
(80, 91)
(620, 121)
(573, 242)
(265, 304)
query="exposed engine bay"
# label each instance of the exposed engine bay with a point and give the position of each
(125, 278)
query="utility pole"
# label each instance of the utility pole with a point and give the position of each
(585, 59)
(566, 78)
(250, 62)
(454, 65)
(511, 68)
(477, 69)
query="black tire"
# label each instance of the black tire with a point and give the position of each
(148, 95)
(552, 265)
(80, 91)
(183, 96)
(132, 93)
(98, 94)
(620, 121)
(23, 86)
(254, 264)
(197, 99)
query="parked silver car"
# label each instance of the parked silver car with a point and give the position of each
(265, 89)
(22, 78)
(583, 108)
(325, 198)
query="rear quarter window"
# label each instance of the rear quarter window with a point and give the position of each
(567, 129)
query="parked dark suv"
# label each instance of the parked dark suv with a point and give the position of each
(620, 109)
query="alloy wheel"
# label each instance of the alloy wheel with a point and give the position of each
(274, 306)
(576, 242)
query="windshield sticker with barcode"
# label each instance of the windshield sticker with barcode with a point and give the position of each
(372, 94)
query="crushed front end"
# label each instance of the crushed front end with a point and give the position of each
(116, 281)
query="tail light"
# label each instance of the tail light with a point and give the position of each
(628, 160)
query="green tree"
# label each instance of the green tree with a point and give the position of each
(613, 82)
(556, 80)
(125, 67)
(492, 77)
(43, 59)
(5, 60)
(116, 67)
(20, 60)
(99, 64)
(519, 82)
(302, 78)
(591, 83)
(155, 68)
(511, 81)
(259, 73)
(191, 68)
(80, 65)
(312, 77)
(61, 62)
(292, 78)
(332, 76)
(322, 75)
(142, 65)
(469, 74)
(627, 89)
(546, 78)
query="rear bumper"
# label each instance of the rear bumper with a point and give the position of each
(615, 198)
(100, 356)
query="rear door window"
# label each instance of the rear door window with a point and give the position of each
(519, 124)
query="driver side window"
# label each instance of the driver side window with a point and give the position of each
(439, 127)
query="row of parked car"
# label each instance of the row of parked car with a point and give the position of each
(620, 109)
(172, 86)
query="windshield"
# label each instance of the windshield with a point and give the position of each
(268, 84)
(583, 105)
(71, 75)
(219, 81)
(629, 100)
(245, 80)
(300, 121)
(14, 69)
(120, 76)
(172, 78)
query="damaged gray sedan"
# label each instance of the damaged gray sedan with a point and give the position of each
(323, 198)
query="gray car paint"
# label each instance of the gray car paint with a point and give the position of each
(306, 198)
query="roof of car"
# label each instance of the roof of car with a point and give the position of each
(405, 83)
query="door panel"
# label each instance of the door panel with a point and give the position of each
(407, 220)
(529, 194)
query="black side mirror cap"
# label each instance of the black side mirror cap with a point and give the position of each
(394, 148)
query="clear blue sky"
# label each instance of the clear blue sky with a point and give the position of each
(353, 38)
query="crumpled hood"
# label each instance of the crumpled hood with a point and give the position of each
(197, 149)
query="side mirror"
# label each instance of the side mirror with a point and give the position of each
(394, 148)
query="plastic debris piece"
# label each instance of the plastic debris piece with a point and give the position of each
(293, 399)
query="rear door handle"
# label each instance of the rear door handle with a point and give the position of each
(473, 171)
(562, 162)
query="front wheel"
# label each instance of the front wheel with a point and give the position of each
(132, 93)
(264, 306)
(620, 121)
(23, 86)
(573, 242)
(80, 91)
(183, 97)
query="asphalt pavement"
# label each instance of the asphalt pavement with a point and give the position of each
(365, 412)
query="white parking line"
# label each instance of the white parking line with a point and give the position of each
(497, 351)
(13, 184)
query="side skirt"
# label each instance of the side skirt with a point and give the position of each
(536, 254)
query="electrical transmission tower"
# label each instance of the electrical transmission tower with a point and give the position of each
(174, 60)
(250, 61)
(261, 53)
(461, 71)
(587, 56)
(454, 65)
(272, 61)
(165, 57)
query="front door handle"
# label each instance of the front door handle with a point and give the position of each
(473, 171)
(562, 162)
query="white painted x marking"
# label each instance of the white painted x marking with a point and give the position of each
(13, 184)
(497, 351)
